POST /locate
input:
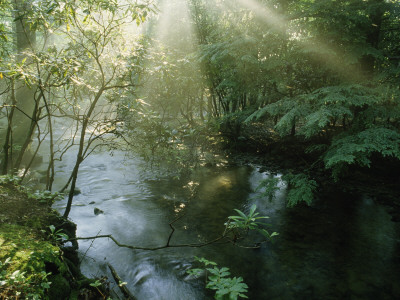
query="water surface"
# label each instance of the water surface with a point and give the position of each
(343, 247)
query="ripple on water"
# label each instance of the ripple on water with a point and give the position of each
(341, 248)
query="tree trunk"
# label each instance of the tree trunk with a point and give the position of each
(373, 36)
(7, 147)
(293, 130)
(25, 41)
(79, 157)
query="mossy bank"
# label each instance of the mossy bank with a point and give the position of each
(34, 263)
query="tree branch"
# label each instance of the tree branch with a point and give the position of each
(199, 245)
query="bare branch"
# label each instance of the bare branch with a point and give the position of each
(194, 245)
(173, 229)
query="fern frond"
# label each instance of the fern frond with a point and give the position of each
(358, 148)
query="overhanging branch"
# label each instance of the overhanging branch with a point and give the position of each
(194, 245)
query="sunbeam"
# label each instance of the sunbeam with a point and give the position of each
(174, 28)
(324, 53)
(189, 130)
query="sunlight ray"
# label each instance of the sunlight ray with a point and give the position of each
(323, 53)
(173, 40)
(174, 24)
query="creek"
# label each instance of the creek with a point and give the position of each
(342, 247)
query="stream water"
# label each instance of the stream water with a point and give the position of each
(343, 247)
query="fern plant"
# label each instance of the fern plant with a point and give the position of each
(355, 120)
(270, 186)
(217, 279)
(300, 189)
(357, 149)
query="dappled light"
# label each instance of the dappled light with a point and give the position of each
(276, 19)
(203, 149)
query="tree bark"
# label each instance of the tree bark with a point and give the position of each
(25, 41)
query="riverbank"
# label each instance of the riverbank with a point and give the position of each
(380, 181)
(34, 263)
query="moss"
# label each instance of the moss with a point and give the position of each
(28, 259)
(30, 256)
(60, 287)
(32, 265)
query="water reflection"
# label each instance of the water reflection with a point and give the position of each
(343, 247)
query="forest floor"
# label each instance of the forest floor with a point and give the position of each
(17, 208)
(32, 262)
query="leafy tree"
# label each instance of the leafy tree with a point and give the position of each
(77, 80)
(320, 71)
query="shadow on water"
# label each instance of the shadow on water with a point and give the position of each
(343, 247)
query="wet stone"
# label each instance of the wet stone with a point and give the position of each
(98, 211)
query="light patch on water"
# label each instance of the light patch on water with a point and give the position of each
(152, 282)
(179, 208)
(266, 206)
(322, 252)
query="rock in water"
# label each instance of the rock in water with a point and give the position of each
(98, 211)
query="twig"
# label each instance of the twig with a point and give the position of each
(91, 244)
(173, 229)
(125, 291)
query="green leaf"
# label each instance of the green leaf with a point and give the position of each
(252, 210)
(52, 228)
(300, 189)
(241, 213)
(358, 148)
(96, 283)
(195, 272)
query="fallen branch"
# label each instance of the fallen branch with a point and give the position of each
(172, 229)
(198, 245)
(167, 245)
(124, 290)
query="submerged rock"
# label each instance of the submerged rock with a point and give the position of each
(77, 191)
(98, 211)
